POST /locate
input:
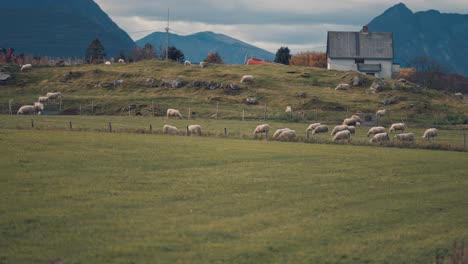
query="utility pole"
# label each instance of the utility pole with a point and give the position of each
(167, 36)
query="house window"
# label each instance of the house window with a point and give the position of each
(358, 61)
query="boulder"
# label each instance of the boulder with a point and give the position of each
(377, 87)
(391, 101)
(4, 76)
(171, 83)
(251, 101)
(356, 81)
(232, 89)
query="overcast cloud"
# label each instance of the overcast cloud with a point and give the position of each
(268, 24)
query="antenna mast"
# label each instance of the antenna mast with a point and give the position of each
(167, 36)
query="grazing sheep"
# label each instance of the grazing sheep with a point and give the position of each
(358, 118)
(342, 135)
(349, 121)
(430, 133)
(194, 129)
(288, 109)
(352, 129)
(405, 137)
(320, 129)
(381, 112)
(262, 129)
(121, 61)
(358, 124)
(338, 129)
(30, 109)
(247, 79)
(167, 129)
(311, 127)
(43, 99)
(397, 127)
(173, 113)
(107, 63)
(187, 63)
(54, 95)
(286, 135)
(279, 131)
(380, 137)
(26, 67)
(376, 130)
(342, 87)
(203, 64)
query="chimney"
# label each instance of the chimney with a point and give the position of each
(365, 29)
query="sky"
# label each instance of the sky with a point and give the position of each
(301, 25)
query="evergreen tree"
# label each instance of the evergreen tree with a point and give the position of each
(283, 55)
(176, 54)
(95, 52)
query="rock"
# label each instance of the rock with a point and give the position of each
(4, 76)
(402, 80)
(60, 63)
(301, 95)
(251, 101)
(356, 81)
(377, 88)
(170, 83)
(459, 95)
(150, 82)
(392, 101)
(342, 87)
(232, 89)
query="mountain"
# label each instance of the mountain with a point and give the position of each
(442, 37)
(197, 46)
(59, 28)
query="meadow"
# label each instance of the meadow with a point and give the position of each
(94, 197)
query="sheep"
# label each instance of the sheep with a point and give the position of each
(54, 95)
(357, 117)
(262, 129)
(338, 129)
(167, 129)
(247, 79)
(342, 87)
(376, 130)
(397, 127)
(107, 63)
(43, 99)
(320, 129)
(405, 137)
(279, 131)
(342, 135)
(30, 109)
(286, 135)
(352, 129)
(430, 133)
(26, 67)
(380, 137)
(358, 124)
(203, 64)
(311, 127)
(194, 129)
(459, 95)
(187, 63)
(349, 121)
(121, 61)
(381, 112)
(173, 113)
(288, 109)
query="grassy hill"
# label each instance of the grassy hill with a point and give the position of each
(310, 92)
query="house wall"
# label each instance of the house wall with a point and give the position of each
(350, 65)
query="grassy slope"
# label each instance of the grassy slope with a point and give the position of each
(122, 198)
(276, 86)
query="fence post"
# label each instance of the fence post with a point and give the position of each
(151, 129)
(189, 113)
(60, 106)
(243, 114)
(110, 127)
(152, 106)
(71, 126)
(217, 109)
(9, 106)
(225, 132)
(32, 123)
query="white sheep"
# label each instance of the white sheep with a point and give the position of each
(338, 129)
(279, 131)
(342, 87)
(320, 129)
(357, 117)
(203, 64)
(54, 95)
(381, 112)
(247, 79)
(405, 137)
(107, 63)
(288, 109)
(43, 99)
(358, 124)
(187, 63)
(376, 130)
(349, 121)
(380, 137)
(26, 67)
(30, 109)
(430, 133)
(459, 95)
(262, 129)
(352, 129)
(311, 127)
(194, 129)
(121, 61)
(173, 113)
(397, 127)
(287, 135)
(342, 135)
(167, 129)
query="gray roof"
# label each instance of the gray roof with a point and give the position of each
(351, 45)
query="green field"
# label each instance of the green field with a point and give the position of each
(94, 197)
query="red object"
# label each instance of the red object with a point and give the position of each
(254, 61)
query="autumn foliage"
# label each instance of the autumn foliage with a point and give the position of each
(312, 59)
(214, 58)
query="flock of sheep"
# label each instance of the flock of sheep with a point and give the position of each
(38, 106)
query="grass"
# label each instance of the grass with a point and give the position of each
(87, 197)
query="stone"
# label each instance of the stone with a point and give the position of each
(342, 87)
(251, 101)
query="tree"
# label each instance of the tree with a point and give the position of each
(176, 54)
(311, 59)
(214, 58)
(149, 52)
(122, 55)
(95, 52)
(283, 55)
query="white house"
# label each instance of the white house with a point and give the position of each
(366, 52)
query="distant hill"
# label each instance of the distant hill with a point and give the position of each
(197, 46)
(430, 33)
(59, 28)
